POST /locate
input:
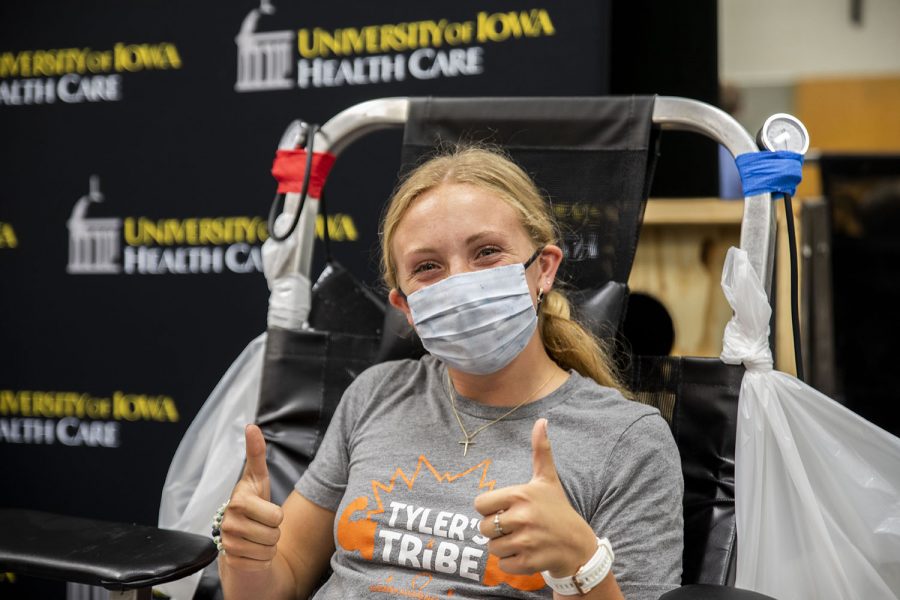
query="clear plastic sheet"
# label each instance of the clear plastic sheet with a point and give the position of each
(210, 457)
(817, 487)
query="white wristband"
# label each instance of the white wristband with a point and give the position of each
(588, 576)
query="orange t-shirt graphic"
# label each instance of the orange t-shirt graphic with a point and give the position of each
(421, 540)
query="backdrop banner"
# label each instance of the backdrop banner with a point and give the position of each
(138, 140)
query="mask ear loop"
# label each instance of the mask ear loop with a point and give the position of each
(534, 256)
(540, 294)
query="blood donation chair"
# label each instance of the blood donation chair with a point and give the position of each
(594, 159)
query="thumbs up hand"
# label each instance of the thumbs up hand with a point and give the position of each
(538, 528)
(250, 528)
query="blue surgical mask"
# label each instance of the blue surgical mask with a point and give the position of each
(479, 321)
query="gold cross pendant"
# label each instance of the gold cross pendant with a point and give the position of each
(466, 443)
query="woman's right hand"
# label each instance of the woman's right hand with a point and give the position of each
(250, 528)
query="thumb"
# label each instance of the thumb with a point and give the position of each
(543, 466)
(255, 470)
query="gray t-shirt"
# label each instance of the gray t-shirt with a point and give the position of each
(392, 469)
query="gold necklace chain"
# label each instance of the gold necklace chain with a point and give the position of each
(469, 437)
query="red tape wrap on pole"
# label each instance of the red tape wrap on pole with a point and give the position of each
(289, 168)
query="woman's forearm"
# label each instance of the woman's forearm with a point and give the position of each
(274, 583)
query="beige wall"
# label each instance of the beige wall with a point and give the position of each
(778, 42)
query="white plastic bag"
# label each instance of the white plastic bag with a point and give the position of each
(817, 487)
(290, 291)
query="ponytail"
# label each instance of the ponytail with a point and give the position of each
(571, 346)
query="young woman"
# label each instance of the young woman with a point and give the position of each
(436, 478)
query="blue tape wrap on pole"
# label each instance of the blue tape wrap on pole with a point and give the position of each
(774, 172)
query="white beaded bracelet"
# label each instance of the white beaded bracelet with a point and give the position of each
(217, 527)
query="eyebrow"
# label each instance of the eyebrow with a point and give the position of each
(475, 237)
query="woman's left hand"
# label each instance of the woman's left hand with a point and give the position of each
(540, 529)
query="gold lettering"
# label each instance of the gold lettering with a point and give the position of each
(341, 228)
(9, 403)
(371, 40)
(37, 63)
(43, 405)
(170, 409)
(7, 236)
(151, 231)
(328, 43)
(97, 408)
(431, 34)
(129, 407)
(172, 56)
(138, 57)
(352, 41)
(132, 232)
(135, 407)
(141, 231)
(98, 62)
(211, 231)
(546, 23)
(306, 44)
(458, 33)
(244, 229)
(513, 23)
(173, 232)
(499, 27)
(227, 230)
(262, 230)
(15, 65)
(349, 228)
(401, 35)
(24, 403)
(80, 59)
(189, 229)
(150, 56)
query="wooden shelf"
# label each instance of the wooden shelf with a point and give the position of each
(679, 262)
(693, 211)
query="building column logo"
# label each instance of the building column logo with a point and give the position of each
(265, 59)
(93, 243)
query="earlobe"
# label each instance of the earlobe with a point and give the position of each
(398, 301)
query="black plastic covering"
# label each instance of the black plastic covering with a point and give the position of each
(305, 373)
(117, 556)
(699, 398)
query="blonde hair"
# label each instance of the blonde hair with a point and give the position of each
(569, 344)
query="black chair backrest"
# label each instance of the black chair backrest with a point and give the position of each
(590, 156)
(699, 399)
(594, 160)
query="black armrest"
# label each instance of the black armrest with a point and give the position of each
(712, 592)
(117, 556)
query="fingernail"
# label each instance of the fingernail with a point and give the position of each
(547, 428)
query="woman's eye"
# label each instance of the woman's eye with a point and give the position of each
(423, 267)
(487, 251)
